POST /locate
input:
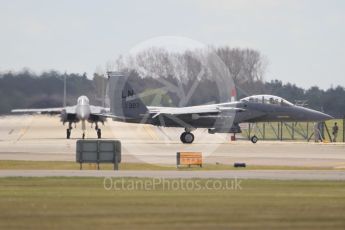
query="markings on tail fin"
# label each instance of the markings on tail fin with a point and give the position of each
(129, 94)
(124, 101)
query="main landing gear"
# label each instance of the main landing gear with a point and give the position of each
(187, 137)
(99, 132)
(69, 131)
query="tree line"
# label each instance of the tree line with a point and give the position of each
(26, 89)
(167, 78)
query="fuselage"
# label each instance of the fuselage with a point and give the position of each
(246, 110)
(127, 106)
(83, 110)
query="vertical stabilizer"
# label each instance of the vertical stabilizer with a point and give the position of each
(124, 102)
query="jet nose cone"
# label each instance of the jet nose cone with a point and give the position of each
(313, 115)
(82, 116)
(328, 117)
(83, 112)
(323, 116)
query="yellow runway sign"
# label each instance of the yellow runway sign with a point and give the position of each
(189, 158)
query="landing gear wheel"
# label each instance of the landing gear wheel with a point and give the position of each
(83, 136)
(182, 137)
(99, 133)
(187, 138)
(68, 133)
(254, 139)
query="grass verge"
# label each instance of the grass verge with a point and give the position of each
(83, 203)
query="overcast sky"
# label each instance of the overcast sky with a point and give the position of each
(304, 41)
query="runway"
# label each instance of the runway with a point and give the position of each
(42, 138)
(231, 174)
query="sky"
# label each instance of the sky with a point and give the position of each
(302, 40)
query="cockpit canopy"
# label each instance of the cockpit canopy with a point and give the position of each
(83, 100)
(267, 99)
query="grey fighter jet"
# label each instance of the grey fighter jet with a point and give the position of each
(126, 106)
(82, 111)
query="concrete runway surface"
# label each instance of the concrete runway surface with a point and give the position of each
(42, 138)
(335, 175)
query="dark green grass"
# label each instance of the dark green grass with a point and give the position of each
(83, 203)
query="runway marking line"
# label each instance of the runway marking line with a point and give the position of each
(149, 130)
(25, 129)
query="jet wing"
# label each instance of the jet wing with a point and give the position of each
(70, 109)
(44, 110)
(156, 111)
(67, 109)
(96, 110)
(172, 111)
(112, 116)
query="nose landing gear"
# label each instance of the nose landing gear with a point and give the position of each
(254, 139)
(68, 133)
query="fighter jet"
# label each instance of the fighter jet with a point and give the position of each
(126, 106)
(82, 111)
